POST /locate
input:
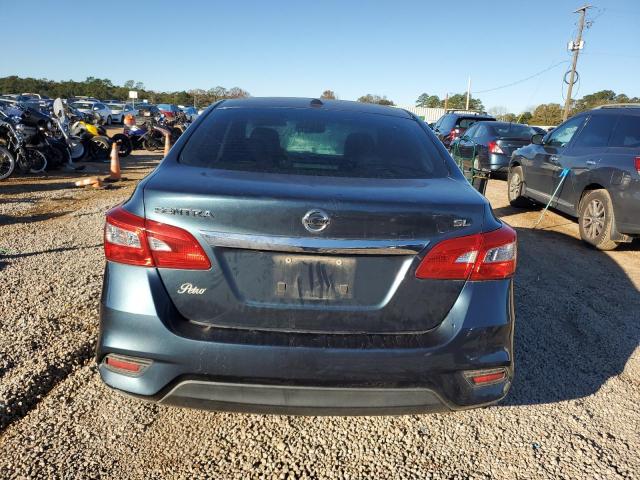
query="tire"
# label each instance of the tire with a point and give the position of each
(152, 143)
(124, 145)
(595, 219)
(76, 148)
(7, 163)
(109, 120)
(57, 155)
(515, 186)
(100, 147)
(37, 159)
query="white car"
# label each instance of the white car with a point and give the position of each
(121, 110)
(95, 107)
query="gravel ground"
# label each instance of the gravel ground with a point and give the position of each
(573, 411)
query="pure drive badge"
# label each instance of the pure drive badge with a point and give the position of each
(187, 212)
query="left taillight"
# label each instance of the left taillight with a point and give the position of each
(495, 148)
(483, 256)
(134, 240)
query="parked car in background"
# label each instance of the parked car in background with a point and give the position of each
(488, 145)
(453, 124)
(191, 113)
(87, 106)
(121, 110)
(169, 110)
(147, 110)
(600, 150)
(307, 256)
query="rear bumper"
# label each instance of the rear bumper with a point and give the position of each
(496, 163)
(260, 372)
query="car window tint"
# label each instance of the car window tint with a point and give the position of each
(564, 133)
(596, 131)
(627, 132)
(471, 133)
(481, 131)
(314, 142)
(513, 130)
(466, 122)
(448, 122)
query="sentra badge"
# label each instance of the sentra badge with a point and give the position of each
(187, 212)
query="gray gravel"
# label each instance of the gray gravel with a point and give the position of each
(573, 411)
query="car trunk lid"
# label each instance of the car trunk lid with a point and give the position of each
(270, 271)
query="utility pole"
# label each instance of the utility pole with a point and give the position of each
(446, 101)
(468, 92)
(575, 46)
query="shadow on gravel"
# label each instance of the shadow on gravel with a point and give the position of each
(10, 220)
(576, 318)
(37, 185)
(12, 255)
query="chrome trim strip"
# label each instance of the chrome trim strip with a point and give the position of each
(314, 245)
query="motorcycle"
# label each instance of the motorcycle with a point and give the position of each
(148, 135)
(17, 140)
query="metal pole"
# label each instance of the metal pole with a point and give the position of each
(468, 92)
(576, 52)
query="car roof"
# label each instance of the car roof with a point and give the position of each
(627, 108)
(500, 123)
(291, 102)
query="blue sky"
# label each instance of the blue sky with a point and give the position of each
(297, 48)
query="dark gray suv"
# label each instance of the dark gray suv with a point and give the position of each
(592, 164)
(310, 257)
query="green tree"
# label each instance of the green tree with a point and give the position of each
(525, 117)
(428, 101)
(129, 84)
(377, 99)
(328, 94)
(602, 97)
(459, 102)
(547, 114)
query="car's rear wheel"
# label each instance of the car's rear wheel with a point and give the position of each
(109, 120)
(595, 218)
(515, 187)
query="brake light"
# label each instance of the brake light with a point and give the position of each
(134, 240)
(454, 133)
(486, 377)
(126, 365)
(494, 148)
(638, 165)
(483, 256)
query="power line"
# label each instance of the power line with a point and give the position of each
(524, 79)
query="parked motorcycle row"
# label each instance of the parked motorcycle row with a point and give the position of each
(34, 140)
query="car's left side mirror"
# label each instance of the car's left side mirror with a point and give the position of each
(537, 139)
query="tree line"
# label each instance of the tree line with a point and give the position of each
(543, 114)
(104, 88)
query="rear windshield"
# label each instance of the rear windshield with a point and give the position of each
(313, 142)
(513, 130)
(468, 121)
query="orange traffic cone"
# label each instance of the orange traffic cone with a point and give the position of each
(167, 143)
(114, 168)
(95, 181)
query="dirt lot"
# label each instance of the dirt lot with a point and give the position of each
(573, 411)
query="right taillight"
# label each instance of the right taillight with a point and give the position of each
(638, 165)
(134, 240)
(483, 256)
